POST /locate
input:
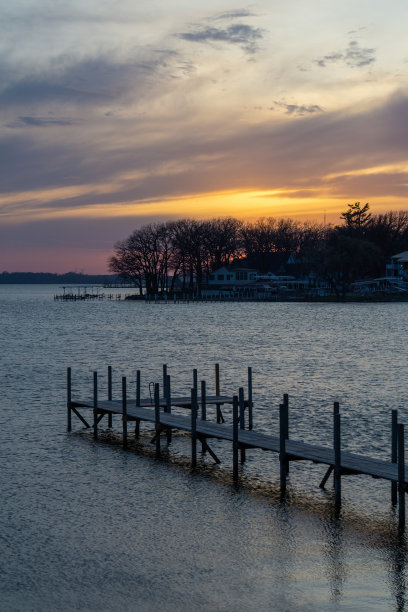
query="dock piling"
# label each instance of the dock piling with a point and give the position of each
(235, 443)
(242, 419)
(124, 411)
(110, 393)
(283, 436)
(164, 378)
(203, 409)
(195, 379)
(250, 402)
(157, 417)
(394, 453)
(193, 427)
(138, 388)
(168, 405)
(337, 454)
(220, 418)
(69, 397)
(137, 425)
(401, 475)
(95, 405)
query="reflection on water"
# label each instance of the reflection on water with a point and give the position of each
(334, 554)
(90, 527)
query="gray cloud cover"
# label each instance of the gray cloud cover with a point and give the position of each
(243, 35)
(299, 109)
(354, 56)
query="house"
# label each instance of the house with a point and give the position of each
(241, 281)
(232, 276)
(397, 269)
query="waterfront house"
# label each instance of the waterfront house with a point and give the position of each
(397, 268)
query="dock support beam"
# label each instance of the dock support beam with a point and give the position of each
(242, 419)
(95, 405)
(401, 475)
(337, 455)
(250, 402)
(69, 395)
(157, 417)
(110, 393)
(124, 411)
(193, 427)
(235, 444)
(394, 453)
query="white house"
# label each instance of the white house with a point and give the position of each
(397, 269)
(231, 276)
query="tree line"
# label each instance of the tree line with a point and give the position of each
(159, 255)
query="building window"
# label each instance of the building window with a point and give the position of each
(229, 276)
(220, 277)
(212, 277)
(240, 275)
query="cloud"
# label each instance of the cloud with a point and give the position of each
(299, 109)
(237, 14)
(354, 56)
(38, 122)
(243, 35)
(90, 81)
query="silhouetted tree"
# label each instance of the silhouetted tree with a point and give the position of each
(343, 259)
(357, 218)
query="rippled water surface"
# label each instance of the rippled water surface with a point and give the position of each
(87, 526)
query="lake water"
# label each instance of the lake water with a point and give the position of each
(87, 526)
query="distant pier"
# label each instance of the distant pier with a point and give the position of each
(157, 409)
(85, 292)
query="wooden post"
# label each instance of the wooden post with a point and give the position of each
(110, 393)
(193, 427)
(124, 411)
(283, 435)
(164, 379)
(168, 394)
(168, 405)
(217, 391)
(203, 401)
(138, 388)
(401, 475)
(250, 402)
(110, 383)
(69, 395)
(95, 405)
(235, 423)
(337, 455)
(195, 379)
(137, 425)
(157, 417)
(394, 453)
(203, 411)
(242, 419)
(285, 429)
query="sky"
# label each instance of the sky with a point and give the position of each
(119, 113)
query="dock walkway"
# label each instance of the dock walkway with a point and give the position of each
(158, 410)
(295, 450)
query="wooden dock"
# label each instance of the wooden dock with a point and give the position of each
(157, 409)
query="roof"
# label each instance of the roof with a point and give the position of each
(401, 256)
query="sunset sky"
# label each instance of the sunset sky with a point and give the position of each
(117, 113)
